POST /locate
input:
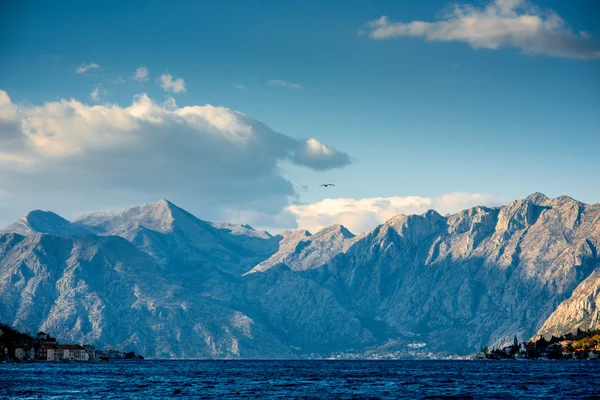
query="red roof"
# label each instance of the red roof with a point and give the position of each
(70, 347)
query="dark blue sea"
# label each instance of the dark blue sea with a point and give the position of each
(302, 379)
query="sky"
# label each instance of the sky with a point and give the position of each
(239, 110)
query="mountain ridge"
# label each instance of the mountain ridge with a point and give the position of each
(457, 282)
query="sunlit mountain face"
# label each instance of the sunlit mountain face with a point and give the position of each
(158, 279)
(341, 179)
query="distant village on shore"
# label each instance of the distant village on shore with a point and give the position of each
(16, 346)
(582, 345)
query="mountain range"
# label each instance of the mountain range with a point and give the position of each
(157, 280)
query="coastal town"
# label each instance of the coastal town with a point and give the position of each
(581, 345)
(16, 346)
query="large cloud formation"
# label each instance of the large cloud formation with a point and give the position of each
(502, 23)
(70, 156)
(359, 215)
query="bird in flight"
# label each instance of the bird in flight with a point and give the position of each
(327, 184)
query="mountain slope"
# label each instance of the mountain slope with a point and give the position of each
(176, 286)
(471, 279)
(103, 290)
(302, 251)
(180, 241)
(38, 221)
(580, 311)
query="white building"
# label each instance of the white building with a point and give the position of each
(90, 352)
(19, 353)
(73, 352)
(53, 353)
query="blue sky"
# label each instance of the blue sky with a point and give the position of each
(418, 116)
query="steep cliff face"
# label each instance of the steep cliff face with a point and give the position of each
(581, 309)
(302, 251)
(472, 279)
(158, 280)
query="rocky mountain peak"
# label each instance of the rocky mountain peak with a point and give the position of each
(241, 229)
(417, 227)
(334, 230)
(537, 198)
(38, 221)
(158, 216)
(457, 283)
(473, 219)
(517, 215)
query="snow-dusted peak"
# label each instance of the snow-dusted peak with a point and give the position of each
(95, 217)
(245, 230)
(332, 231)
(38, 221)
(300, 250)
(158, 216)
(291, 235)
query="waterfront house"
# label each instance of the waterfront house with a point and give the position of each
(18, 351)
(28, 353)
(42, 353)
(566, 353)
(52, 352)
(531, 350)
(68, 354)
(90, 352)
(58, 352)
(566, 343)
(79, 352)
(114, 354)
(73, 352)
(43, 338)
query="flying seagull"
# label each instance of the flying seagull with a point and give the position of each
(327, 184)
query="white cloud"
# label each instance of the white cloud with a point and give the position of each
(141, 74)
(69, 155)
(95, 95)
(172, 85)
(8, 111)
(359, 215)
(83, 68)
(502, 23)
(280, 83)
(318, 155)
(241, 87)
